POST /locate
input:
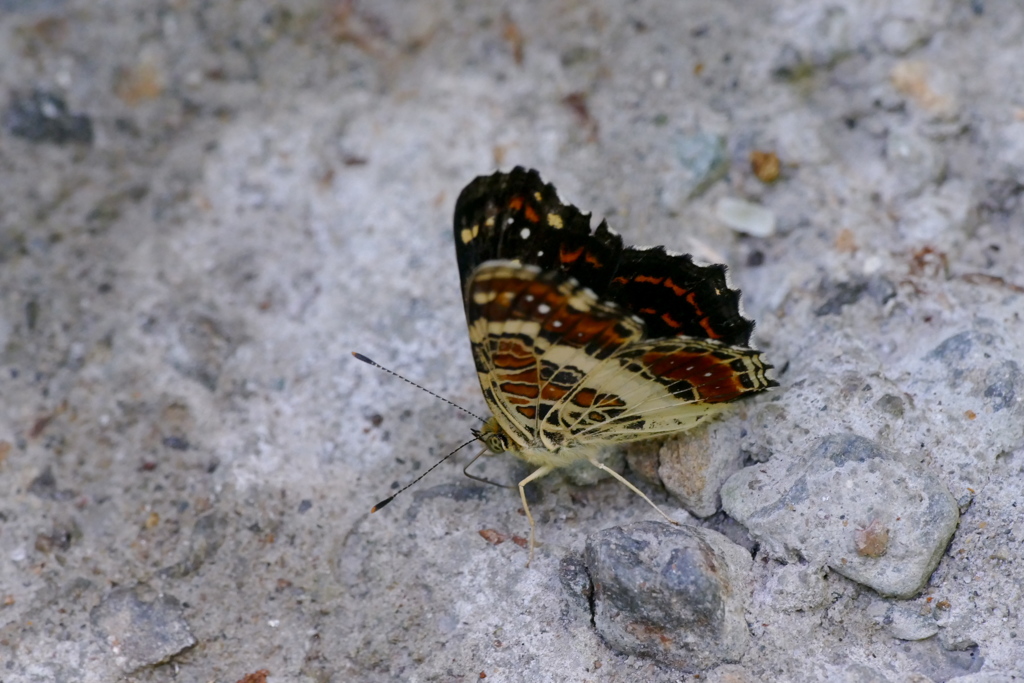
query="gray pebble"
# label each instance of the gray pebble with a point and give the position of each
(674, 594)
(142, 627)
(848, 505)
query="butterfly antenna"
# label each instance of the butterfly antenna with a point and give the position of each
(377, 365)
(387, 500)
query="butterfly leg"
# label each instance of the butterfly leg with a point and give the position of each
(602, 466)
(537, 474)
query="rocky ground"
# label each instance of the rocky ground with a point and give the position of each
(207, 206)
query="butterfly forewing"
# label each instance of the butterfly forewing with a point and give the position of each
(516, 216)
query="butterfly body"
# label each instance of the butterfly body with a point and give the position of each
(582, 343)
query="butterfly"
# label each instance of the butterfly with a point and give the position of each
(580, 342)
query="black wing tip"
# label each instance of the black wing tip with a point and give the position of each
(488, 194)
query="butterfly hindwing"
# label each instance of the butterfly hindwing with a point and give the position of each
(535, 337)
(659, 387)
(562, 369)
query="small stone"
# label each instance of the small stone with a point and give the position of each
(839, 294)
(142, 81)
(176, 443)
(702, 162)
(703, 155)
(694, 467)
(891, 404)
(674, 594)
(765, 165)
(44, 117)
(807, 508)
(572, 573)
(643, 460)
(493, 536)
(881, 289)
(142, 627)
(743, 216)
(45, 484)
(906, 624)
(872, 540)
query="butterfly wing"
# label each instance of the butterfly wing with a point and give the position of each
(676, 297)
(579, 340)
(515, 216)
(659, 387)
(535, 336)
(561, 368)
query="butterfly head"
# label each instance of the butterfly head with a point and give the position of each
(493, 436)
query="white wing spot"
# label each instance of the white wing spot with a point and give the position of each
(524, 233)
(557, 323)
(544, 309)
(540, 253)
(528, 297)
(707, 374)
(510, 220)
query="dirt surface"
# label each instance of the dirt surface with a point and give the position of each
(207, 206)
